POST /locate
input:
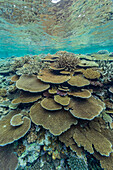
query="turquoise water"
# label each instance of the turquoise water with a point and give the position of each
(36, 26)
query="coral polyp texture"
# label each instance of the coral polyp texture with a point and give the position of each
(68, 61)
(63, 97)
(11, 129)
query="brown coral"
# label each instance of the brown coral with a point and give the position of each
(57, 121)
(50, 104)
(8, 160)
(26, 97)
(63, 100)
(92, 136)
(78, 81)
(84, 93)
(68, 61)
(9, 133)
(16, 120)
(89, 73)
(85, 108)
(89, 138)
(31, 84)
(32, 137)
(48, 77)
(14, 78)
(67, 138)
(86, 63)
(3, 92)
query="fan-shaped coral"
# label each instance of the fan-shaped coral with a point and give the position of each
(26, 97)
(89, 73)
(50, 104)
(57, 121)
(16, 120)
(85, 108)
(31, 84)
(49, 77)
(11, 133)
(79, 81)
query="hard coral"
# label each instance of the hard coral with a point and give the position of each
(10, 133)
(89, 73)
(49, 77)
(31, 84)
(93, 136)
(33, 67)
(26, 97)
(50, 104)
(32, 137)
(76, 163)
(68, 61)
(106, 71)
(57, 121)
(8, 160)
(79, 81)
(88, 108)
(16, 120)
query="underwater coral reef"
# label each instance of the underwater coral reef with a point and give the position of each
(57, 111)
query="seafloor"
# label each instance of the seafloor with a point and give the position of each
(56, 112)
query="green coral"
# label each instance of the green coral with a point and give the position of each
(76, 163)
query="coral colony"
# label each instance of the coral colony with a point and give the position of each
(57, 111)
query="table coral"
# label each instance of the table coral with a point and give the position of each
(49, 77)
(31, 84)
(84, 93)
(85, 108)
(78, 80)
(89, 73)
(63, 100)
(16, 120)
(57, 121)
(80, 123)
(93, 136)
(50, 104)
(10, 133)
(26, 97)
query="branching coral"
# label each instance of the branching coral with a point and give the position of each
(76, 163)
(33, 67)
(68, 61)
(19, 62)
(106, 70)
